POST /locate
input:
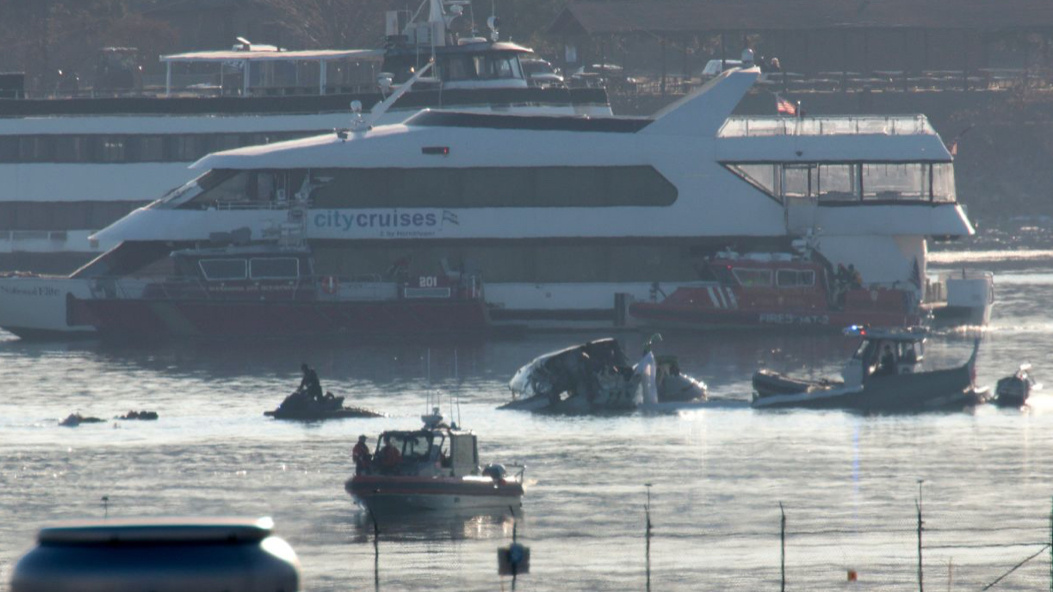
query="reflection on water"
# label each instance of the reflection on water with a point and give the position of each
(847, 482)
(426, 526)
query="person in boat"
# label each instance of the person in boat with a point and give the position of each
(360, 454)
(855, 279)
(841, 279)
(888, 361)
(309, 384)
(390, 456)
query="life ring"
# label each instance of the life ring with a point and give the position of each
(330, 284)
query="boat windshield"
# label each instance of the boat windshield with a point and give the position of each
(183, 192)
(412, 446)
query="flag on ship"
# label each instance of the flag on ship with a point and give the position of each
(784, 107)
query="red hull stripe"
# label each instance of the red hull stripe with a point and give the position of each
(371, 487)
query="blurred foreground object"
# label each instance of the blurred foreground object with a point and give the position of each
(160, 555)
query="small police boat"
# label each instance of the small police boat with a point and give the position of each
(884, 375)
(1013, 391)
(433, 468)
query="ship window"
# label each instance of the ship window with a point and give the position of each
(223, 269)
(837, 182)
(496, 66)
(227, 188)
(230, 190)
(72, 149)
(110, 149)
(274, 268)
(895, 181)
(225, 142)
(795, 278)
(753, 278)
(490, 187)
(943, 182)
(761, 176)
(146, 149)
(797, 180)
(183, 148)
(8, 149)
(36, 148)
(456, 68)
(415, 448)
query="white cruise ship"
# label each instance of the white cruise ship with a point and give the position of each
(559, 215)
(70, 166)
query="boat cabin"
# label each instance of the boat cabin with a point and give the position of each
(473, 63)
(426, 452)
(884, 352)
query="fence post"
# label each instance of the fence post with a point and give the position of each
(647, 535)
(917, 504)
(782, 548)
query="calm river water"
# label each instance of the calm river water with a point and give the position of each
(848, 483)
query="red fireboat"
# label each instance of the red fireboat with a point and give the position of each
(765, 289)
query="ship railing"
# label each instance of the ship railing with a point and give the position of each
(255, 205)
(518, 471)
(888, 125)
(357, 287)
(936, 291)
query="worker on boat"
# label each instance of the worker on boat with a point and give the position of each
(390, 456)
(888, 361)
(360, 454)
(855, 278)
(309, 383)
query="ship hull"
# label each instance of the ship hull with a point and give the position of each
(667, 317)
(137, 319)
(926, 391)
(397, 494)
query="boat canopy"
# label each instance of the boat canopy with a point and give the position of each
(245, 55)
(275, 55)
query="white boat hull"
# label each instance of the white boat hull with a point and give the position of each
(36, 306)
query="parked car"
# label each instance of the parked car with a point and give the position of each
(611, 76)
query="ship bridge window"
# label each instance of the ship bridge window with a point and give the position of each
(225, 188)
(798, 180)
(223, 269)
(943, 182)
(795, 278)
(415, 448)
(837, 182)
(489, 66)
(761, 176)
(752, 278)
(834, 183)
(278, 268)
(895, 181)
(491, 187)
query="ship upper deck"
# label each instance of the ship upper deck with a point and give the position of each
(886, 125)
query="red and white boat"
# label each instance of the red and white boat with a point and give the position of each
(756, 289)
(270, 291)
(433, 468)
